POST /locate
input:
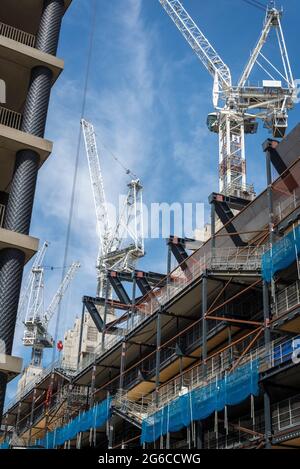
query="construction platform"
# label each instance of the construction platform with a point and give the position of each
(227, 317)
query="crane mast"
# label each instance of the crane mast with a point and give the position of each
(34, 279)
(97, 186)
(243, 104)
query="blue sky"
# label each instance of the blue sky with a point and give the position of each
(148, 98)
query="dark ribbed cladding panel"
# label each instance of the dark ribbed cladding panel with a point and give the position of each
(11, 269)
(37, 99)
(19, 208)
(47, 38)
(11, 266)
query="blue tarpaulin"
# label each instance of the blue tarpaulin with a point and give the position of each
(282, 254)
(202, 402)
(95, 417)
(4, 445)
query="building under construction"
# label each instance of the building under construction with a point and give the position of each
(203, 355)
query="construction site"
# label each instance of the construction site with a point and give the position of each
(204, 354)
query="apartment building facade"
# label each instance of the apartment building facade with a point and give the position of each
(29, 67)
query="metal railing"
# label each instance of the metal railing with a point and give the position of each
(286, 299)
(31, 384)
(239, 189)
(279, 352)
(10, 118)
(229, 259)
(2, 213)
(137, 411)
(240, 259)
(17, 35)
(285, 416)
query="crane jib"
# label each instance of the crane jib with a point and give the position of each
(197, 40)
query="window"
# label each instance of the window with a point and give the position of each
(92, 334)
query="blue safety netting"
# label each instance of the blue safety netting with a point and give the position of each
(282, 254)
(95, 417)
(202, 402)
(4, 445)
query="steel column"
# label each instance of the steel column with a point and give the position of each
(107, 287)
(5, 427)
(110, 434)
(169, 260)
(92, 389)
(213, 225)
(270, 195)
(199, 435)
(133, 299)
(204, 324)
(80, 334)
(122, 366)
(266, 308)
(18, 417)
(158, 344)
(268, 420)
(31, 416)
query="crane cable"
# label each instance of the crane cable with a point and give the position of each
(117, 160)
(256, 3)
(76, 166)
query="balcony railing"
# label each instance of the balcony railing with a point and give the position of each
(17, 35)
(286, 300)
(10, 118)
(279, 352)
(2, 212)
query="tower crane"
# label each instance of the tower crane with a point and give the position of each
(242, 104)
(120, 246)
(37, 319)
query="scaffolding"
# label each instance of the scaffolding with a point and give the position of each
(203, 324)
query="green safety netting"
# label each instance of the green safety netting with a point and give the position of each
(282, 254)
(95, 417)
(202, 402)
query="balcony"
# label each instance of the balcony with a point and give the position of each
(17, 35)
(24, 14)
(13, 140)
(11, 239)
(18, 56)
(10, 118)
(286, 300)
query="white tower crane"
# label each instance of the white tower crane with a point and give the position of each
(36, 321)
(122, 245)
(243, 104)
(31, 293)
